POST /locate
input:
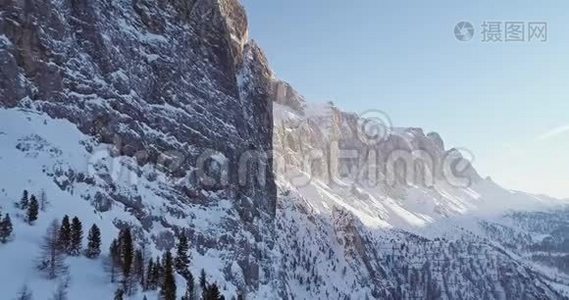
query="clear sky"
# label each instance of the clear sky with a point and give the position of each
(507, 102)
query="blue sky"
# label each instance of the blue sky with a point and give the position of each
(507, 102)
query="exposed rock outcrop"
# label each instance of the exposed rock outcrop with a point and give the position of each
(161, 80)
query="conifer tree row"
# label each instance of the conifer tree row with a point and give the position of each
(128, 266)
(30, 205)
(70, 236)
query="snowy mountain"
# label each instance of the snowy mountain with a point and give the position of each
(413, 237)
(133, 93)
(164, 119)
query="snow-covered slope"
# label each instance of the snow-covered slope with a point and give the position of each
(319, 248)
(321, 153)
(133, 93)
(385, 232)
(78, 176)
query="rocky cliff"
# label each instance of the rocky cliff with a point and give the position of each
(163, 81)
(368, 210)
(174, 86)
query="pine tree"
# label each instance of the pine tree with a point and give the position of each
(190, 288)
(33, 210)
(6, 229)
(76, 237)
(24, 201)
(126, 252)
(52, 260)
(168, 291)
(203, 281)
(125, 262)
(64, 239)
(114, 261)
(93, 242)
(211, 292)
(25, 293)
(150, 282)
(138, 267)
(182, 259)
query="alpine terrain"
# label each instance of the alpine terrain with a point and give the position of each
(148, 151)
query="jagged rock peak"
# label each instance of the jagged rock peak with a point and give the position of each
(227, 16)
(236, 18)
(254, 56)
(286, 95)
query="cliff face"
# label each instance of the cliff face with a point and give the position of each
(364, 157)
(369, 211)
(162, 80)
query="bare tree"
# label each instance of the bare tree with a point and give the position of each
(52, 260)
(43, 200)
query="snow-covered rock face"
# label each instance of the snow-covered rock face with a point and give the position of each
(286, 95)
(83, 178)
(150, 77)
(153, 87)
(107, 107)
(407, 176)
(389, 176)
(351, 222)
